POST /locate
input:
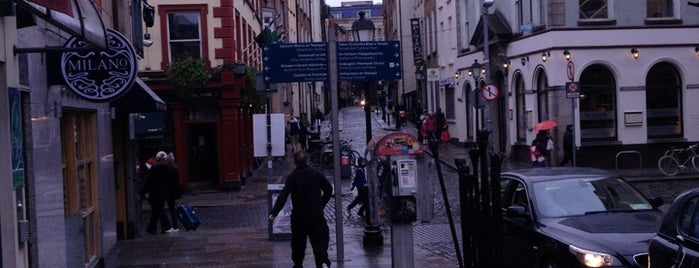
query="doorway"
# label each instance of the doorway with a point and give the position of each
(203, 154)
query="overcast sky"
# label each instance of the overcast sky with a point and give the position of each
(336, 3)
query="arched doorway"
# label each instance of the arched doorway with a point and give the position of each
(663, 102)
(598, 120)
(520, 107)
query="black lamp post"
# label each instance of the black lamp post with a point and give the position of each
(363, 30)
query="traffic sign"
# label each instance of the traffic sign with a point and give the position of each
(366, 61)
(490, 92)
(295, 62)
(572, 90)
(570, 70)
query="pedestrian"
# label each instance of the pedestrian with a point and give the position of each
(534, 155)
(293, 128)
(310, 191)
(567, 146)
(362, 184)
(429, 126)
(439, 122)
(544, 146)
(173, 192)
(303, 136)
(156, 188)
(319, 119)
(420, 122)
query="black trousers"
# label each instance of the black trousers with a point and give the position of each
(157, 213)
(172, 207)
(361, 199)
(317, 233)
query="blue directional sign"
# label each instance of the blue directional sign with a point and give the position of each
(368, 60)
(295, 62)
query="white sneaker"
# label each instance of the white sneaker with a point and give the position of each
(172, 230)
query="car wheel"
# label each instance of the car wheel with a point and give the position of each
(551, 264)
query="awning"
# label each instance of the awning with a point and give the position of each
(498, 30)
(139, 99)
(81, 20)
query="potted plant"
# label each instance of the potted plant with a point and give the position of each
(187, 73)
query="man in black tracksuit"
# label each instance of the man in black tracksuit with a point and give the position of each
(310, 192)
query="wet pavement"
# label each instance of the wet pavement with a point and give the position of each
(234, 230)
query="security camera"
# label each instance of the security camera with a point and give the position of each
(147, 43)
(488, 3)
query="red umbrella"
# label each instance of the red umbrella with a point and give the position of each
(545, 125)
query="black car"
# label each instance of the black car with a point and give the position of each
(575, 217)
(677, 242)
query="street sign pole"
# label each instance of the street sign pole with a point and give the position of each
(332, 74)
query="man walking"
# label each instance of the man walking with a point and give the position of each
(310, 192)
(567, 146)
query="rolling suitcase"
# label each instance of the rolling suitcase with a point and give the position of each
(188, 217)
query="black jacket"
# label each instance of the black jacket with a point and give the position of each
(162, 182)
(310, 192)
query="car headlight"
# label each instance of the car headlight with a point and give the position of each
(593, 259)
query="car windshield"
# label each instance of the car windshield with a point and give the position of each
(572, 197)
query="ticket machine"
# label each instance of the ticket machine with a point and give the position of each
(400, 191)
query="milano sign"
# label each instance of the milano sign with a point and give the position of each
(100, 75)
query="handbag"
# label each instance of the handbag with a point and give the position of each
(445, 136)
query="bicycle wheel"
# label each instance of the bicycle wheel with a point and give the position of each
(668, 165)
(695, 163)
(314, 159)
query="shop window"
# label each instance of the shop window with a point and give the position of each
(449, 102)
(521, 108)
(594, 9)
(663, 98)
(469, 111)
(597, 105)
(659, 8)
(542, 96)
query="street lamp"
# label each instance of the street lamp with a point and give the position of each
(363, 30)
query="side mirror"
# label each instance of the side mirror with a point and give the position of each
(517, 211)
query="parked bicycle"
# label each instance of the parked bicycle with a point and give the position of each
(676, 159)
(322, 153)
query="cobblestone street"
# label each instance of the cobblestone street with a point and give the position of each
(234, 230)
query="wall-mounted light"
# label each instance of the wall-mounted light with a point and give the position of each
(524, 60)
(457, 74)
(545, 56)
(506, 64)
(634, 53)
(470, 73)
(566, 54)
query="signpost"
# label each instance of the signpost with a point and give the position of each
(368, 61)
(572, 93)
(295, 62)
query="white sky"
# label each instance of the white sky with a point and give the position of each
(336, 3)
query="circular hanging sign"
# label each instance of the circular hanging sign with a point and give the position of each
(100, 75)
(490, 92)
